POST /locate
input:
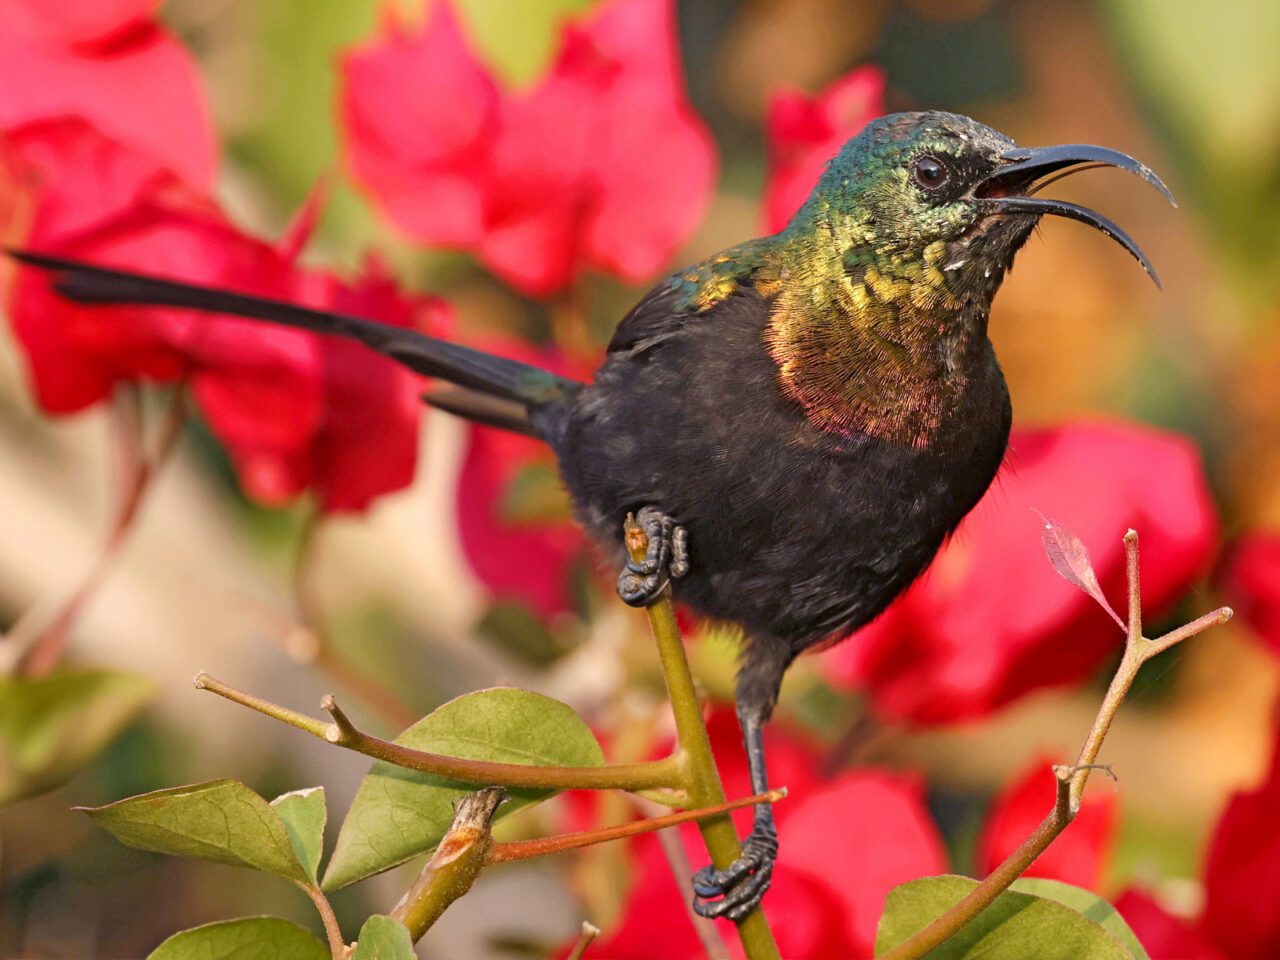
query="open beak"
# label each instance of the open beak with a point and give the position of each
(1026, 169)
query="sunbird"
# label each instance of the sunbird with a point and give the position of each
(797, 423)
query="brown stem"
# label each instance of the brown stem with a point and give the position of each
(1070, 780)
(527, 849)
(666, 772)
(337, 946)
(45, 647)
(589, 932)
(1134, 577)
(322, 654)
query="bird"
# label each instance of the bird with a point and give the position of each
(798, 423)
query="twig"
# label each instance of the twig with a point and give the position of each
(589, 932)
(468, 847)
(453, 868)
(703, 783)
(1070, 780)
(341, 732)
(527, 849)
(321, 653)
(40, 650)
(333, 932)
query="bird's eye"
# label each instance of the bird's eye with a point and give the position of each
(930, 173)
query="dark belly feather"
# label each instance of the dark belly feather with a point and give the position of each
(795, 533)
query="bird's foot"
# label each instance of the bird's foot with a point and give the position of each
(642, 581)
(736, 890)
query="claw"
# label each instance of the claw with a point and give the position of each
(679, 552)
(642, 581)
(741, 884)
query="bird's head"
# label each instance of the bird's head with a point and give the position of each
(946, 195)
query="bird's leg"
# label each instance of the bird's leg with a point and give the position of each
(736, 890)
(641, 581)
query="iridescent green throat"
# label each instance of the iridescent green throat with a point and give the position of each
(868, 342)
(872, 342)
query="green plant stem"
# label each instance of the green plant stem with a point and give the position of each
(337, 946)
(1070, 780)
(342, 733)
(527, 849)
(468, 847)
(702, 778)
(461, 855)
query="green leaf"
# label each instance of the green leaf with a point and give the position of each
(1014, 927)
(253, 938)
(400, 813)
(304, 816)
(51, 727)
(1088, 904)
(222, 820)
(382, 938)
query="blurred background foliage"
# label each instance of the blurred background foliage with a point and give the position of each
(1194, 89)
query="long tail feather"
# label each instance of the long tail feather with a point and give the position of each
(481, 408)
(484, 372)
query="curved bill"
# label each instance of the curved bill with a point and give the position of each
(1025, 169)
(1028, 164)
(1074, 211)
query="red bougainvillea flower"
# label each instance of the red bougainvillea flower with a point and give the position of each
(84, 24)
(366, 442)
(1242, 873)
(295, 411)
(1164, 936)
(100, 201)
(991, 620)
(1077, 857)
(848, 841)
(110, 63)
(601, 164)
(655, 921)
(513, 518)
(1251, 582)
(805, 132)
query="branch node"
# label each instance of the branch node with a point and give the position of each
(200, 681)
(1066, 772)
(461, 855)
(342, 730)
